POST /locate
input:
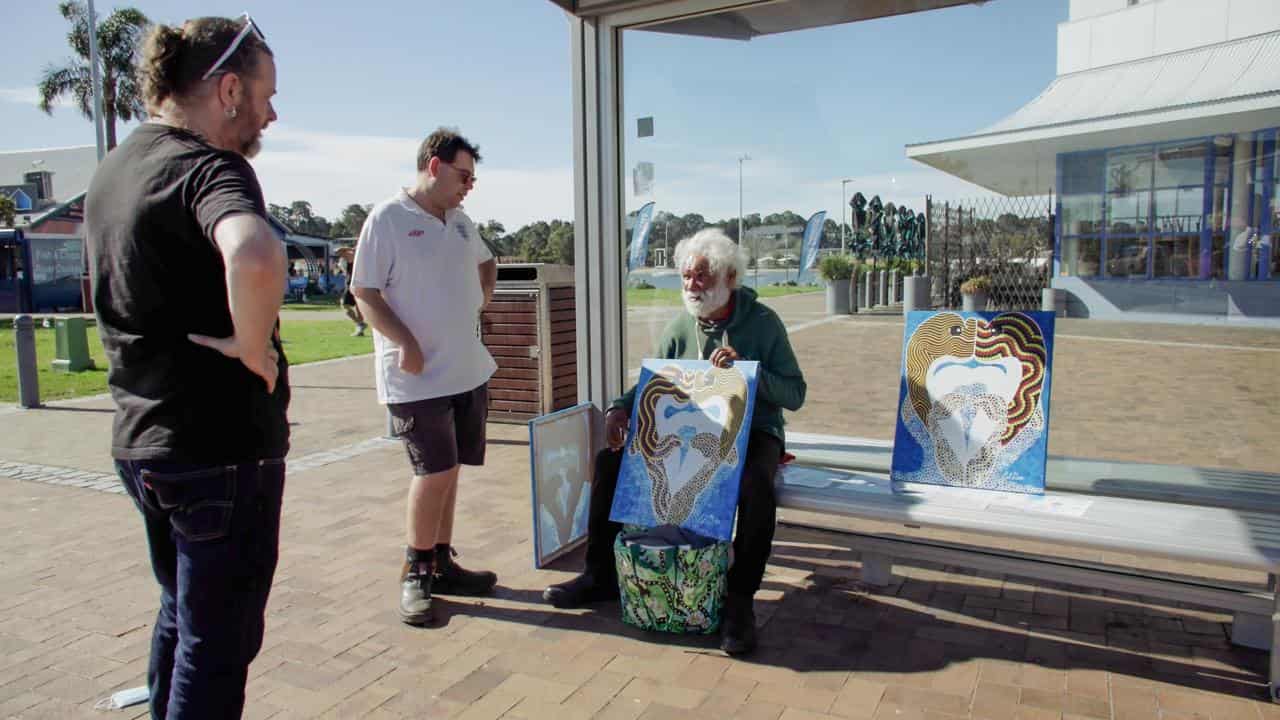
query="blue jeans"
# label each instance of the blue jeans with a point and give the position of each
(214, 535)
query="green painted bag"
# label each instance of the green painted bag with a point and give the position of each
(676, 588)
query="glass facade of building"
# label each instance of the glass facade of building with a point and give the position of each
(1166, 210)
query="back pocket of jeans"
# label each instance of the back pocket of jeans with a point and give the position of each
(199, 502)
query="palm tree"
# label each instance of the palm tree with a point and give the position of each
(119, 37)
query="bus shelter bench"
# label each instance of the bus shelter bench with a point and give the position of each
(1209, 487)
(1146, 528)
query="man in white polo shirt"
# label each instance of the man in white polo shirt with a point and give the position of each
(422, 275)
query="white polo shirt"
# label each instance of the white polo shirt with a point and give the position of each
(427, 273)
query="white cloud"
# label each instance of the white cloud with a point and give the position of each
(21, 95)
(332, 171)
(30, 96)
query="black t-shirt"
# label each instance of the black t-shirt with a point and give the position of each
(157, 276)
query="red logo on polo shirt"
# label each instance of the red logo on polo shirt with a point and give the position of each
(416, 233)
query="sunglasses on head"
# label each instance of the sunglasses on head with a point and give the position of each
(249, 27)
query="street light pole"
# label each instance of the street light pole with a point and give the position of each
(94, 78)
(843, 205)
(741, 237)
(666, 243)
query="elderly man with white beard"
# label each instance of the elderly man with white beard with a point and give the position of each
(723, 323)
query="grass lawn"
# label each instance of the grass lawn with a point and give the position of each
(320, 303)
(303, 342)
(671, 296)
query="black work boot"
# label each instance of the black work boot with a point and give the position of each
(738, 627)
(415, 593)
(453, 579)
(587, 588)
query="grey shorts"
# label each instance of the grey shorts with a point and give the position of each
(442, 432)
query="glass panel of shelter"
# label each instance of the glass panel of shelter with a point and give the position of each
(715, 127)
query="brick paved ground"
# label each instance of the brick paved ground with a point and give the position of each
(77, 598)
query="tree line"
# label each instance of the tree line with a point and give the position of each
(551, 241)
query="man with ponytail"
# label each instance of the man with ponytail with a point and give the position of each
(188, 278)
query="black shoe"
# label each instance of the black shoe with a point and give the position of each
(453, 579)
(415, 594)
(586, 588)
(738, 628)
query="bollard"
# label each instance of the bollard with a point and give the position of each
(893, 287)
(868, 298)
(25, 343)
(915, 295)
(883, 288)
(1054, 300)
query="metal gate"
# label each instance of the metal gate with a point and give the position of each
(1007, 239)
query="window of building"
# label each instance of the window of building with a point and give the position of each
(1149, 210)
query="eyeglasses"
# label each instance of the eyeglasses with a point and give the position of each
(467, 176)
(249, 27)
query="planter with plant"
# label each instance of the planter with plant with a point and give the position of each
(836, 271)
(974, 292)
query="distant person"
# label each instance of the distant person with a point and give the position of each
(348, 301)
(197, 371)
(422, 275)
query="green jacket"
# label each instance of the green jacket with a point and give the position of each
(756, 332)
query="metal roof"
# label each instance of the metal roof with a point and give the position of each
(1216, 89)
(1238, 69)
(72, 168)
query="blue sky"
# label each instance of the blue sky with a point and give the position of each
(358, 92)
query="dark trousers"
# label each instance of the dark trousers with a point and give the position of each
(214, 535)
(757, 515)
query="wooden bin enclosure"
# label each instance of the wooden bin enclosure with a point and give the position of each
(530, 330)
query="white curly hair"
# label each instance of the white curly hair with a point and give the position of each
(723, 253)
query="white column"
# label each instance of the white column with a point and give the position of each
(1241, 188)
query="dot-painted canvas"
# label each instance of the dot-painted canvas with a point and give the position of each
(973, 402)
(685, 447)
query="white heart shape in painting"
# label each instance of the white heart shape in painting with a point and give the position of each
(686, 421)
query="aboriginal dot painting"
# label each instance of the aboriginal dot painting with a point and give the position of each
(686, 445)
(973, 404)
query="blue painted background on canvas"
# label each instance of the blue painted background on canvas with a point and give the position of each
(685, 447)
(562, 448)
(973, 400)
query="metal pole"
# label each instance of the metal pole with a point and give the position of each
(842, 208)
(24, 330)
(97, 82)
(742, 238)
(666, 243)
(946, 252)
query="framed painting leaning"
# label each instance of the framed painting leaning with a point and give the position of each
(562, 452)
(973, 403)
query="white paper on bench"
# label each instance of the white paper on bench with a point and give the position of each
(1047, 504)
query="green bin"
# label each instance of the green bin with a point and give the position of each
(72, 345)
